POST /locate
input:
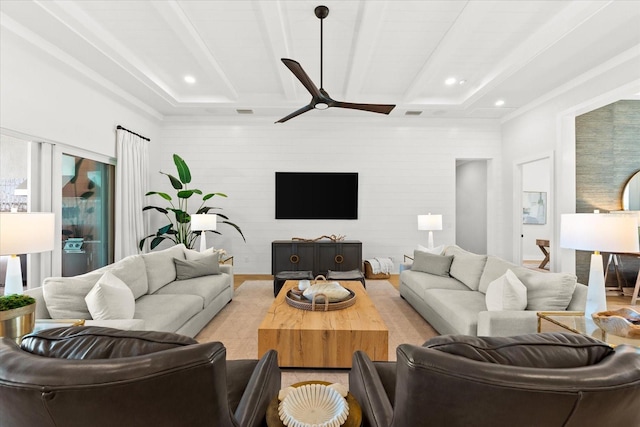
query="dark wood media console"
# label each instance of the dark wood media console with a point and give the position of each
(318, 257)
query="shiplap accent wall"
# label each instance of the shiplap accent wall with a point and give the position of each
(404, 170)
(607, 136)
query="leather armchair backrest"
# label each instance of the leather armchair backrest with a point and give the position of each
(185, 385)
(438, 388)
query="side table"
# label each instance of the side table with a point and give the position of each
(543, 245)
(42, 324)
(578, 323)
(353, 420)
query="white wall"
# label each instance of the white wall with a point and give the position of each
(404, 170)
(44, 98)
(548, 126)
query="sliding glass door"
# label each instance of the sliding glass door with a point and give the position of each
(87, 214)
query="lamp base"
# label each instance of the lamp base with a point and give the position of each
(203, 241)
(596, 292)
(13, 282)
(430, 241)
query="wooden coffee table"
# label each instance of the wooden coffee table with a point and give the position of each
(319, 339)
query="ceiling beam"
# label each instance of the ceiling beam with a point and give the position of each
(272, 25)
(71, 16)
(561, 25)
(180, 24)
(439, 57)
(369, 23)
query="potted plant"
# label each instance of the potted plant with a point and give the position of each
(178, 230)
(17, 315)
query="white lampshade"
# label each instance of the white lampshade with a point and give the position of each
(26, 232)
(600, 232)
(204, 222)
(429, 222)
(23, 233)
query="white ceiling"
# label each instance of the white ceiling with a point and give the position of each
(396, 52)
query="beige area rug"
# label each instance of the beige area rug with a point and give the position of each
(236, 326)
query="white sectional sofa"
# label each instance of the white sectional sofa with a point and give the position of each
(162, 301)
(450, 291)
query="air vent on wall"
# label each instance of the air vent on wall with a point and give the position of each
(244, 111)
(412, 113)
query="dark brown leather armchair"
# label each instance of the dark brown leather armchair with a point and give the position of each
(531, 380)
(93, 376)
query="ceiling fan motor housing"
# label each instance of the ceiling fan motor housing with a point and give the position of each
(321, 12)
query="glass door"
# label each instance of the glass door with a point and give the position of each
(87, 214)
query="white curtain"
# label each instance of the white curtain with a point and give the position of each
(132, 179)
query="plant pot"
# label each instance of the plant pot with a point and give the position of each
(17, 322)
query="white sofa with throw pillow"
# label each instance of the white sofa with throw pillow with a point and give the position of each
(172, 290)
(459, 292)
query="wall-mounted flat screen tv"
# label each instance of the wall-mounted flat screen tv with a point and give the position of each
(316, 195)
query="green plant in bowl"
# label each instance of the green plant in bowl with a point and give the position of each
(10, 302)
(17, 316)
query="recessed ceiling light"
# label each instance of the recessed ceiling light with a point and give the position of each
(450, 81)
(190, 79)
(499, 103)
(461, 82)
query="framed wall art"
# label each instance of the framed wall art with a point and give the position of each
(534, 207)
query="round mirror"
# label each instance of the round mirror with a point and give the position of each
(631, 194)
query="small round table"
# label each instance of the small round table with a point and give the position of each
(353, 420)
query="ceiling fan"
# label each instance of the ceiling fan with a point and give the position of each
(320, 99)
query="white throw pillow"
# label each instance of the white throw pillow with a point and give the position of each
(506, 293)
(438, 250)
(193, 255)
(332, 290)
(110, 299)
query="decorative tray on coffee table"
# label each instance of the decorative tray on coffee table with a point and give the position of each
(295, 299)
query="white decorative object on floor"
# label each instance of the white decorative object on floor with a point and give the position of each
(598, 232)
(24, 233)
(313, 405)
(204, 223)
(430, 222)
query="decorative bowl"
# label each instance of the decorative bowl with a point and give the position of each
(623, 323)
(313, 405)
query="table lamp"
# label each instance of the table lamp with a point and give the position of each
(203, 223)
(430, 222)
(23, 233)
(598, 232)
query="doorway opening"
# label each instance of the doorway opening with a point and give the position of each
(471, 204)
(534, 229)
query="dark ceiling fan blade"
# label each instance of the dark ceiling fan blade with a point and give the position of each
(374, 108)
(304, 78)
(296, 113)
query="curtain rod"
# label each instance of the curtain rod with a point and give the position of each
(136, 134)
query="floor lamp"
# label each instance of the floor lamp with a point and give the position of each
(598, 232)
(203, 223)
(23, 233)
(430, 222)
